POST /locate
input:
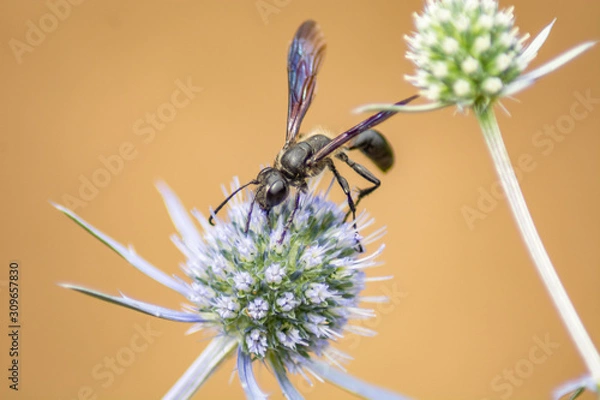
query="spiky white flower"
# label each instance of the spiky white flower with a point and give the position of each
(312, 257)
(317, 325)
(469, 36)
(256, 342)
(469, 53)
(287, 302)
(290, 338)
(258, 308)
(227, 307)
(455, 32)
(279, 303)
(317, 293)
(243, 281)
(274, 273)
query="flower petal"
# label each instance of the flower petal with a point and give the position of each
(129, 255)
(583, 382)
(528, 79)
(213, 355)
(352, 384)
(249, 384)
(182, 221)
(531, 51)
(398, 108)
(146, 308)
(288, 389)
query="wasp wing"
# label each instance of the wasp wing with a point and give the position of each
(304, 59)
(356, 130)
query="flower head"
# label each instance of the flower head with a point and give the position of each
(469, 53)
(284, 304)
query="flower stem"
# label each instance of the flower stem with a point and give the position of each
(495, 144)
(215, 353)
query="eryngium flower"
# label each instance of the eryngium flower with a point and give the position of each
(279, 301)
(469, 53)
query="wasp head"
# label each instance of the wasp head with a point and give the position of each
(272, 189)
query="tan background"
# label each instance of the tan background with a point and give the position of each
(469, 305)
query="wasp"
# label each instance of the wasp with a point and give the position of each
(305, 156)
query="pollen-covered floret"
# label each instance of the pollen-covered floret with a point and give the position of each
(465, 51)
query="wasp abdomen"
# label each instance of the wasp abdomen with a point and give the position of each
(374, 145)
(317, 142)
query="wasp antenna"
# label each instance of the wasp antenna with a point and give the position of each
(224, 202)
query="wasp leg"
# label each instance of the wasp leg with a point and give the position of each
(291, 218)
(249, 216)
(346, 188)
(365, 173)
(268, 218)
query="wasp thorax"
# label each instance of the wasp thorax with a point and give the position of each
(294, 160)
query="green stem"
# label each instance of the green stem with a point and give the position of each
(217, 351)
(493, 139)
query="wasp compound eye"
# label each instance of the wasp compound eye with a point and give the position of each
(277, 192)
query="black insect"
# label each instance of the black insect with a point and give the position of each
(304, 156)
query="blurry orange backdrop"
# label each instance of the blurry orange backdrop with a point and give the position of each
(468, 308)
